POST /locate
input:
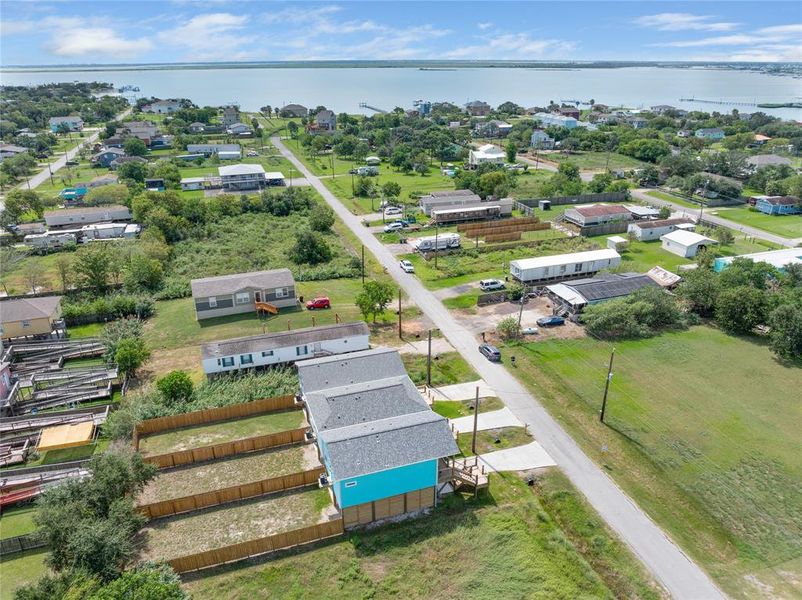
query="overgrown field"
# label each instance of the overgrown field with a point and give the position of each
(703, 432)
(516, 542)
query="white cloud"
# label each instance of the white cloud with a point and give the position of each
(100, 41)
(301, 14)
(212, 36)
(782, 30)
(512, 46)
(722, 40)
(15, 27)
(768, 53)
(484, 26)
(683, 22)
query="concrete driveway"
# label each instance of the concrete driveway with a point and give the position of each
(520, 458)
(494, 419)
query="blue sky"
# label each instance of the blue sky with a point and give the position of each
(139, 31)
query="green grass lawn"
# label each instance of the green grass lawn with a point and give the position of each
(219, 433)
(527, 184)
(491, 440)
(513, 542)
(20, 569)
(598, 160)
(672, 198)
(16, 280)
(453, 409)
(17, 520)
(85, 331)
(447, 368)
(788, 226)
(703, 432)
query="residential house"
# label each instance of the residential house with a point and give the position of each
(753, 163)
(547, 119)
(477, 108)
(283, 347)
(144, 130)
(541, 140)
(121, 160)
(604, 119)
(492, 128)
(74, 123)
(778, 259)
(197, 127)
(189, 184)
(239, 293)
(638, 122)
(104, 158)
(9, 150)
(645, 231)
(575, 295)
(487, 154)
(382, 445)
(662, 109)
(293, 110)
(325, 121)
(238, 129)
(641, 212)
(760, 139)
(569, 111)
(162, 107)
(23, 317)
(779, 205)
(161, 142)
(86, 215)
(115, 141)
(449, 198)
(563, 266)
(597, 214)
(710, 133)
(685, 243)
(242, 177)
(227, 151)
(230, 115)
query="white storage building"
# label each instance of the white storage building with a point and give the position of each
(563, 266)
(653, 230)
(685, 243)
(283, 347)
(487, 154)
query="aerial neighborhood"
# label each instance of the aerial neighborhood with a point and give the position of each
(376, 351)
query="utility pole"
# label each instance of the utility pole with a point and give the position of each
(399, 314)
(363, 265)
(436, 232)
(429, 361)
(475, 421)
(607, 385)
(521, 309)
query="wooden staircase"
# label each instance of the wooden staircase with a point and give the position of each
(266, 307)
(463, 474)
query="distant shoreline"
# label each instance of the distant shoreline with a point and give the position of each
(771, 68)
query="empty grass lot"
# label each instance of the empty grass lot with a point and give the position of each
(789, 226)
(219, 433)
(452, 409)
(447, 368)
(491, 440)
(20, 569)
(228, 524)
(514, 542)
(17, 520)
(672, 198)
(703, 432)
(226, 472)
(597, 161)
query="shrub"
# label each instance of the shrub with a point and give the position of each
(508, 328)
(116, 306)
(310, 248)
(175, 387)
(321, 218)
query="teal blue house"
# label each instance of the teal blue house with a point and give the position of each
(380, 442)
(779, 205)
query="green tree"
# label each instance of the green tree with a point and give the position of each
(167, 170)
(108, 194)
(143, 273)
(495, 183)
(512, 151)
(145, 582)
(374, 298)
(64, 270)
(321, 218)
(600, 182)
(391, 189)
(647, 150)
(740, 309)
(133, 171)
(131, 354)
(785, 337)
(92, 267)
(20, 202)
(665, 212)
(175, 387)
(699, 290)
(135, 147)
(508, 328)
(292, 126)
(310, 248)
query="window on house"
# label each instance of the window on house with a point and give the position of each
(26, 323)
(227, 362)
(212, 301)
(301, 350)
(562, 268)
(577, 267)
(243, 297)
(349, 484)
(267, 353)
(281, 292)
(246, 359)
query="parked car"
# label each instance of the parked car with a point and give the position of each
(529, 330)
(552, 321)
(490, 352)
(491, 285)
(317, 303)
(253, 153)
(396, 226)
(71, 163)
(391, 211)
(406, 266)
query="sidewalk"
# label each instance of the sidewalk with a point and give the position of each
(460, 391)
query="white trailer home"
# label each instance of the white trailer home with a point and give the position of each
(86, 215)
(49, 241)
(283, 347)
(444, 241)
(563, 266)
(109, 231)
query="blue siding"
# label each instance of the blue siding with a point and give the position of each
(384, 484)
(771, 209)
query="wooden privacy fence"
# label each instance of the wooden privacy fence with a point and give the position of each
(21, 543)
(509, 228)
(271, 543)
(212, 415)
(467, 228)
(167, 508)
(204, 453)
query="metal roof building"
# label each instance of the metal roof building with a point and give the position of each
(581, 292)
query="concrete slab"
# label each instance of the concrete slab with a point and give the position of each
(520, 458)
(460, 391)
(439, 346)
(489, 420)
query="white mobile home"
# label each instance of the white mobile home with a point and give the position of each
(86, 215)
(654, 230)
(283, 347)
(563, 266)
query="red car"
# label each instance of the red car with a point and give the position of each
(322, 302)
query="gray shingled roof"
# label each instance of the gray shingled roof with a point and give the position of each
(282, 339)
(356, 367)
(228, 284)
(389, 443)
(348, 405)
(24, 309)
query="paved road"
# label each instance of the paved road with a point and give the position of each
(642, 194)
(680, 575)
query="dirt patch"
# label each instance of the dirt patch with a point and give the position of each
(162, 362)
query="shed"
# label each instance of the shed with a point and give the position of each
(685, 243)
(616, 242)
(66, 436)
